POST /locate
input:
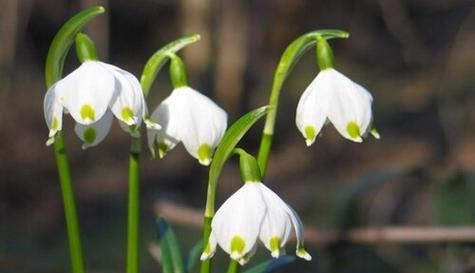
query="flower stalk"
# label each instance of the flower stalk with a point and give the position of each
(133, 210)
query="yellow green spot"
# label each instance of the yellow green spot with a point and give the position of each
(274, 243)
(374, 132)
(353, 130)
(161, 149)
(237, 245)
(310, 134)
(127, 114)
(302, 253)
(87, 112)
(89, 135)
(55, 124)
(204, 154)
(207, 248)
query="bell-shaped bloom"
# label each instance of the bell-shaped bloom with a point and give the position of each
(333, 97)
(253, 212)
(190, 117)
(92, 94)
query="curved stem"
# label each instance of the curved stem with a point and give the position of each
(288, 60)
(133, 208)
(206, 265)
(72, 225)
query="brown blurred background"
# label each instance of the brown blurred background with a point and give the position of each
(417, 58)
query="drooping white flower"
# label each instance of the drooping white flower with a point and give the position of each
(253, 212)
(333, 97)
(190, 117)
(90, 94)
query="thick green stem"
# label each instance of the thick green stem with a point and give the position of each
(72, 225)
(133, 208)
(234, 267)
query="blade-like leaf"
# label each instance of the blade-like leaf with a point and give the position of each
(193, 256)
(230, 139)
(158, 59)
(271, 265)
(62, 42)
(171, 255)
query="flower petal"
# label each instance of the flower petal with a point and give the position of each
(167, 116)
(94, 133)
(53, 112)
(276, 227)
(87, 91)
(313, 107)
(298, 227)
(128, 101)
(350, 110)
(210, 248)
(237, 222)
(202, 123)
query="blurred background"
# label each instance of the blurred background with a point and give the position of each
(417, 58)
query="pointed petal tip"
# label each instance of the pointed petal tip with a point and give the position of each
(302, 253)
(375, 133)
(235, 256)
(357, 139)
(204, 256)
(309, 142)
(50, 141)
(275, 254)
(205, 161)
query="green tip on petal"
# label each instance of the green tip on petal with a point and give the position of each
(275, 247)
(354, 131)
(50, 141)
(127, 115)
(302, 253)
(206, 252)
(310, 135)
(89, 137)
(151, 124)
(161, 149)
(87, 113)
(55, 124)
(204, 154)
(374, 132)
(237, 247)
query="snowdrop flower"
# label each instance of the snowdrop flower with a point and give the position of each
(252, 212)
(187, 116)
(92, 94)
(333, 97)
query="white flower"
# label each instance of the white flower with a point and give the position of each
(189, 117)
(91, 94)
(333, 97)
(254, 211)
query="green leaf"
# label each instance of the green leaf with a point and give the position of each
(158, 59)
(230, 139)
(62, 43)
(172, 261)
(193, 256)
(271, 265)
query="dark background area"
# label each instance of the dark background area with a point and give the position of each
(416, 57)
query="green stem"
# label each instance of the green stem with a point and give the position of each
(234, 267)
(206, 265)
(69, 205)
(133, 208)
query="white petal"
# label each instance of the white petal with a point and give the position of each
(128, 101)
(210, 248)
(239, 220)
(87, 91)
(312, 108)
(53, 112)
(203, 125)
(94, 133)
(131, 129)
(276, 227)
(350, 109)
(298, 227)
(167, 115)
